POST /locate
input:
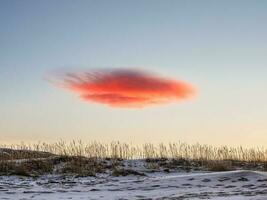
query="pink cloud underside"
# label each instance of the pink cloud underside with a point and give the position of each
(126, 88)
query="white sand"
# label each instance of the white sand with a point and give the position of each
(235, 185)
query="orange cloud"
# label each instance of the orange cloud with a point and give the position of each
(126, 87)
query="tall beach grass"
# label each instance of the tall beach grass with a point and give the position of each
(120, 150)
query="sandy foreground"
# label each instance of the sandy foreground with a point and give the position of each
(237, 185)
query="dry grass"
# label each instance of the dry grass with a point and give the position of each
(88, 159)
(127, 151)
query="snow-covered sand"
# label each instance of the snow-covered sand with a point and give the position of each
(237, 185)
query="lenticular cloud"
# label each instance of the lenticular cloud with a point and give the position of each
(125, 87)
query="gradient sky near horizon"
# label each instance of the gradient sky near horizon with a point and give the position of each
(219, 46)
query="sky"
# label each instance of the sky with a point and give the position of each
(219, 47)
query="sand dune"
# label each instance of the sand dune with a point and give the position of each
(235, 185)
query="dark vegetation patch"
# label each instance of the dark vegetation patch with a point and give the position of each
(265, 166)
(81, 166)
(218, 166)
(126, 172)
(188, 165)
(12, 154)
(37, 163)
(167, 165)
(78, 166)
(26, 168)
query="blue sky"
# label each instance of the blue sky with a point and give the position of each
(219, 46)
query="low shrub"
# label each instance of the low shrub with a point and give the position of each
(218, 166)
